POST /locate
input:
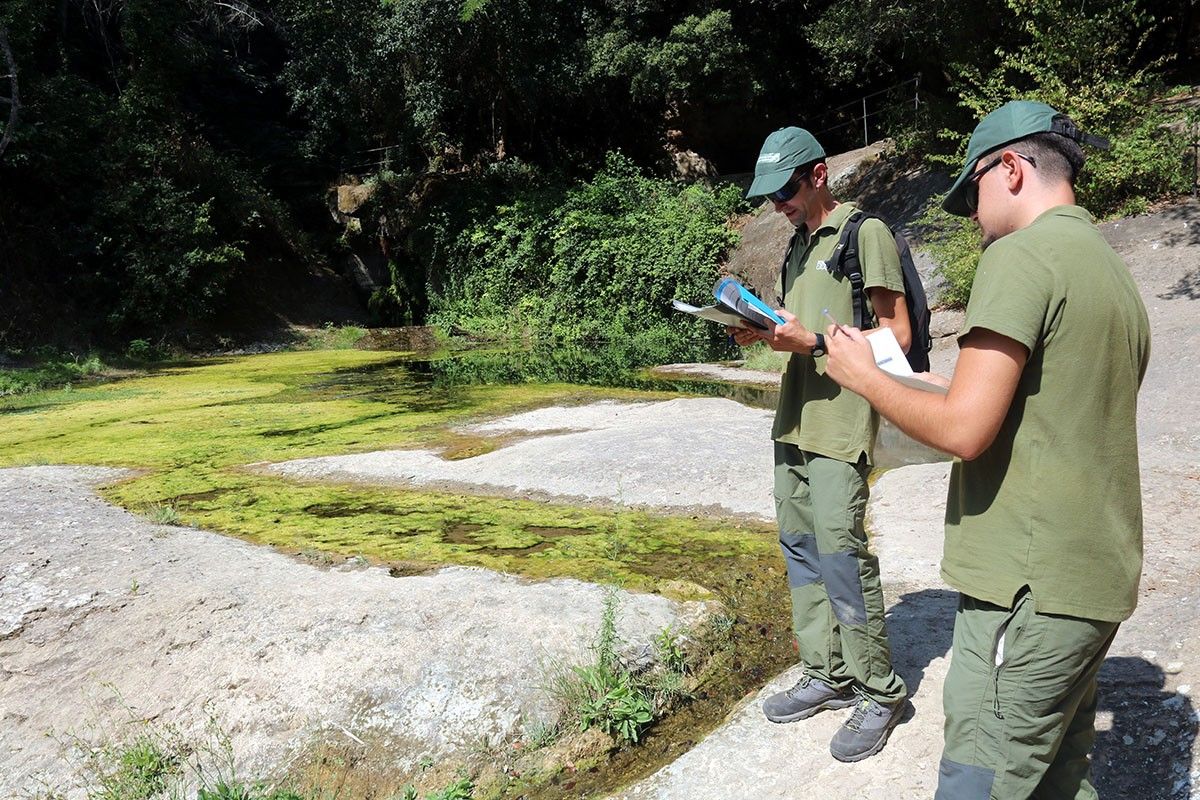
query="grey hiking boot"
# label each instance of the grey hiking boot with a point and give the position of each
(804, 699)
(866, 731)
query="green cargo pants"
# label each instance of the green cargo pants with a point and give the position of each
(1020, 701)
(837, 602)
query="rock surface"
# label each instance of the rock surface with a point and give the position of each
(677, 454)
(70, 614)
(105, 616)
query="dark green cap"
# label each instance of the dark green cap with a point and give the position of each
(1009, 123)
(782, 152)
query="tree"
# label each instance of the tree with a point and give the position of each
(14, 96)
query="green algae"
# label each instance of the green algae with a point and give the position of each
(198, 434)
(192, 428)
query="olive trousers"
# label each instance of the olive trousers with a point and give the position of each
(837, 600)
(1020, 701)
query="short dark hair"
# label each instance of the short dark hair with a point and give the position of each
(1063, 157)
(1058, 157)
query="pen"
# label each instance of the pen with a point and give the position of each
(836, 324)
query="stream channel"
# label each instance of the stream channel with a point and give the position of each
(750, 584)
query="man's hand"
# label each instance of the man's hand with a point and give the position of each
(743, 336)
(851, 362)
(791, 337)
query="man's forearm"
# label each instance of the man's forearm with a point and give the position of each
(921, 415)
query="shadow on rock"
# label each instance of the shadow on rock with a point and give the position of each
(1148, 751)
(920, 628)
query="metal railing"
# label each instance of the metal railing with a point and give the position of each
(385, 160)
(899, 96)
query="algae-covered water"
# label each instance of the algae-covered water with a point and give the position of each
(199, 432)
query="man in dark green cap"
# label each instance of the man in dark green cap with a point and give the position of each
(1044, 518)
(824, 442)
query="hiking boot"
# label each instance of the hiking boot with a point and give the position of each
(866, 731)
(804, 699)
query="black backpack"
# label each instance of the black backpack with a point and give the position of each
(845, 262)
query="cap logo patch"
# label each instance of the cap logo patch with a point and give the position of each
(769, 158)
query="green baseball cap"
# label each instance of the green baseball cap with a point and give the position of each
(782, 152)
(1011, 122)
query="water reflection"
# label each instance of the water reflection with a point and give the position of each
(429, 381)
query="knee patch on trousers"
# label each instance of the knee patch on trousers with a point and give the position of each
(844, 586)
(802, 558)
(963, 781)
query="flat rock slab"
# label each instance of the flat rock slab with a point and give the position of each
(101, 609)
(675, 454)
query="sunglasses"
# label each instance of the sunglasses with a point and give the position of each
(788, 190)
(971, 196)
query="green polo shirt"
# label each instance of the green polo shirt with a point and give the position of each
(814, 413)
(1055, 502)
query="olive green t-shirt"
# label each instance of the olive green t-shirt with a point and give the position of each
(1055, 502)
(814, 413)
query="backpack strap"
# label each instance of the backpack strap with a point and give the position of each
(846, 262)
(787, 256)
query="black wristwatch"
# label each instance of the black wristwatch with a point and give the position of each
(818, 349)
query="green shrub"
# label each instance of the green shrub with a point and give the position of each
(142, 770)
(51, 370)
(599, 260)
(1095, 63)
(953, 244)
(162, 514)
(1089, 62)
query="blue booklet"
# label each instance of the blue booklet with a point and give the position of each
(736, 306)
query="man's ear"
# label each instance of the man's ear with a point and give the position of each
(1014, 169)
(820, 175)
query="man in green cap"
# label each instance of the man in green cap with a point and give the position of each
(1044, 518)
(824, 442)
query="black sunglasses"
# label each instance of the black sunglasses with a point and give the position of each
(971, 196)
(788, 190)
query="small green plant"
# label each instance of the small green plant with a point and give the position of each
(142, 351)
(668, 649)
(540, 734)
(615, 704)
(141, 770)
(134, 586)
(163, 514)
(241, 791)
(605, 694)
(462, 789)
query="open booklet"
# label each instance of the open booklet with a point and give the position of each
(891, 359)
(736, 306)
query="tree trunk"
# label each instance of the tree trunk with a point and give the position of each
(14, 101)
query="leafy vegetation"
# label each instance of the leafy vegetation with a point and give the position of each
(171, 160)
(601, 261)
(620, 698)
(52, 370)
(156, 762)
